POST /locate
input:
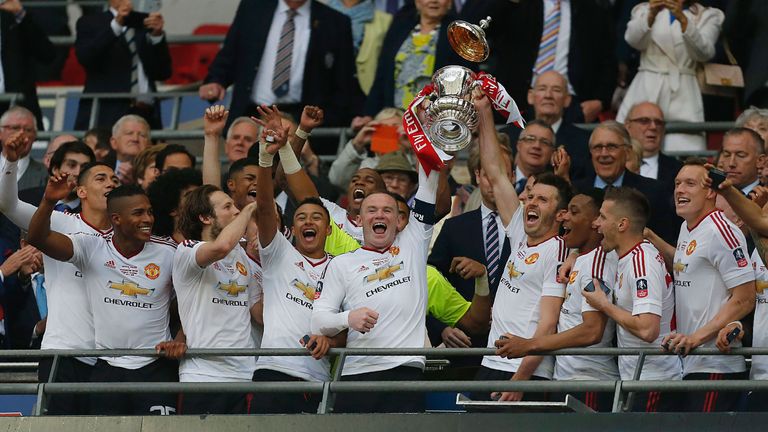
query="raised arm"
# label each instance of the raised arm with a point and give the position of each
(272, 137)
(477, 319)
(228, 239)
(52, 243)
(492, 162)
(11, 206)
(214, 119)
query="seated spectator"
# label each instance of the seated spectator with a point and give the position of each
(243, 133)
(174, 156)
(549, 98)
(609, 146)
(53, 145)
(535, 147)
(70, 158)
(756, 119)
(369, 26)
(742, 153)
(17, 299)
(399, 175)
(98, 140)
(357, 152)
(415, 47)
(31, 173)
(130, 135)
(666, 75)
(645, 123)
(145, 165)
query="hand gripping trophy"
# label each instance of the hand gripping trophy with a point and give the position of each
(449, 114)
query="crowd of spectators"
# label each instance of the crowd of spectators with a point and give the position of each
(242, 229)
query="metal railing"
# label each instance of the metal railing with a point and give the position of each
(623, 390)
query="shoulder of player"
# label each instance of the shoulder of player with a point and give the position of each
(555, 248)
(162, 243)
(721, 228)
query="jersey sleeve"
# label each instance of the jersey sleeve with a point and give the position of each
(255, 289)
(185, 267)
(83, 246)
(729, 254)
(272, 253)
(327, 315)
(551, 287)
(443, 301)
(339, 242)
(648, 282)
(514, 231)
(596, 268)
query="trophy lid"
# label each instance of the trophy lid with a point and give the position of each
(468, 40)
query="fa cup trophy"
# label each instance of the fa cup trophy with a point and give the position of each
(451, 116)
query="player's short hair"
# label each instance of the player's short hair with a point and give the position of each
(756, 138)
(630, 203)
(197, 204)
(57, 158)
(695, 161)
(165, 194)
(240, 164)
(86, 169)
(595, 196)
(313, 201)
(564, 189)
(169, 150)
(122, 191)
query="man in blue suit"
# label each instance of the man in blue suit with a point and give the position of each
(315, 67)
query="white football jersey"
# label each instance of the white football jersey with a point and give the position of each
(290, 282)
(342, 220)
(759, 368)
(594, 264)
(643, 285)
(214, 311)
(710, 259)
(129, 295)
(70, 320)
(529, 274)
(392, 282)
(255, 293)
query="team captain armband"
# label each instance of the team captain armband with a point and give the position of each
(423, 212)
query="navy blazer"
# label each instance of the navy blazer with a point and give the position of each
(21, 46)
(664, 221)
(382, 93)
(329, 70)
(106, 59)
(515, 34)
(668, 169)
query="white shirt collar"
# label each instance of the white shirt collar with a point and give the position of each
(748, 188)
(556, 125)
(485, 211)
(282, 7)
(519, 175)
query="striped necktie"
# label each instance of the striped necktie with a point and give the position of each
(548, 46)
(492, 253)
(281, 78)
(130, 38)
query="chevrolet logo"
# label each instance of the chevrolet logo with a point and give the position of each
(513, 273)
(761, 286)
(679, 267)
(309, 292)
(383, 273)
(130, 289)
(232, 288)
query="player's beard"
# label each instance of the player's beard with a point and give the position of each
(216, 229)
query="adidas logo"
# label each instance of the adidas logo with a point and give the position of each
(109, 264)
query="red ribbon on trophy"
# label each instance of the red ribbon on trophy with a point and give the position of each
(429, 156)
(502, 101)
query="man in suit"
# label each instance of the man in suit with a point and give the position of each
(535, 146)
(22, 43)
(18, 119)
(549, 98)
(742, 155)
(645, 123)
(579, 44)
(609, 145)
(121, 53)
(319, 69)
(130, 135)
(477, 235)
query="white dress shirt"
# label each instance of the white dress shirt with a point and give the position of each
(262, 88)
(563, 37)
(748, 188)
(484, 213)
(154, 40)
(650, 167)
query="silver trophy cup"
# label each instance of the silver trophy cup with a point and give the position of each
(451, 117)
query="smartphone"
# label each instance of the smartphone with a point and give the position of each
(384, 139)
(717, 176)
(732, 335)
(306, 341)
(148, 6)
(591, 287)
(135, 19)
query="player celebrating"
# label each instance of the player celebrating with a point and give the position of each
(290, 286)
(211, 273)
(714, 286)
(580, 324)
(643, 292)
(128, 280)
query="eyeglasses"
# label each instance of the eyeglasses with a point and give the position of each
(530, 139)
(611, 147)
(646, 121)
(17, 128)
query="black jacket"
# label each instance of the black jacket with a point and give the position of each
(329, 71)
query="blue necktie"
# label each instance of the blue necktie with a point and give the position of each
(42, 298)
(492, 254)
(520, 185)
